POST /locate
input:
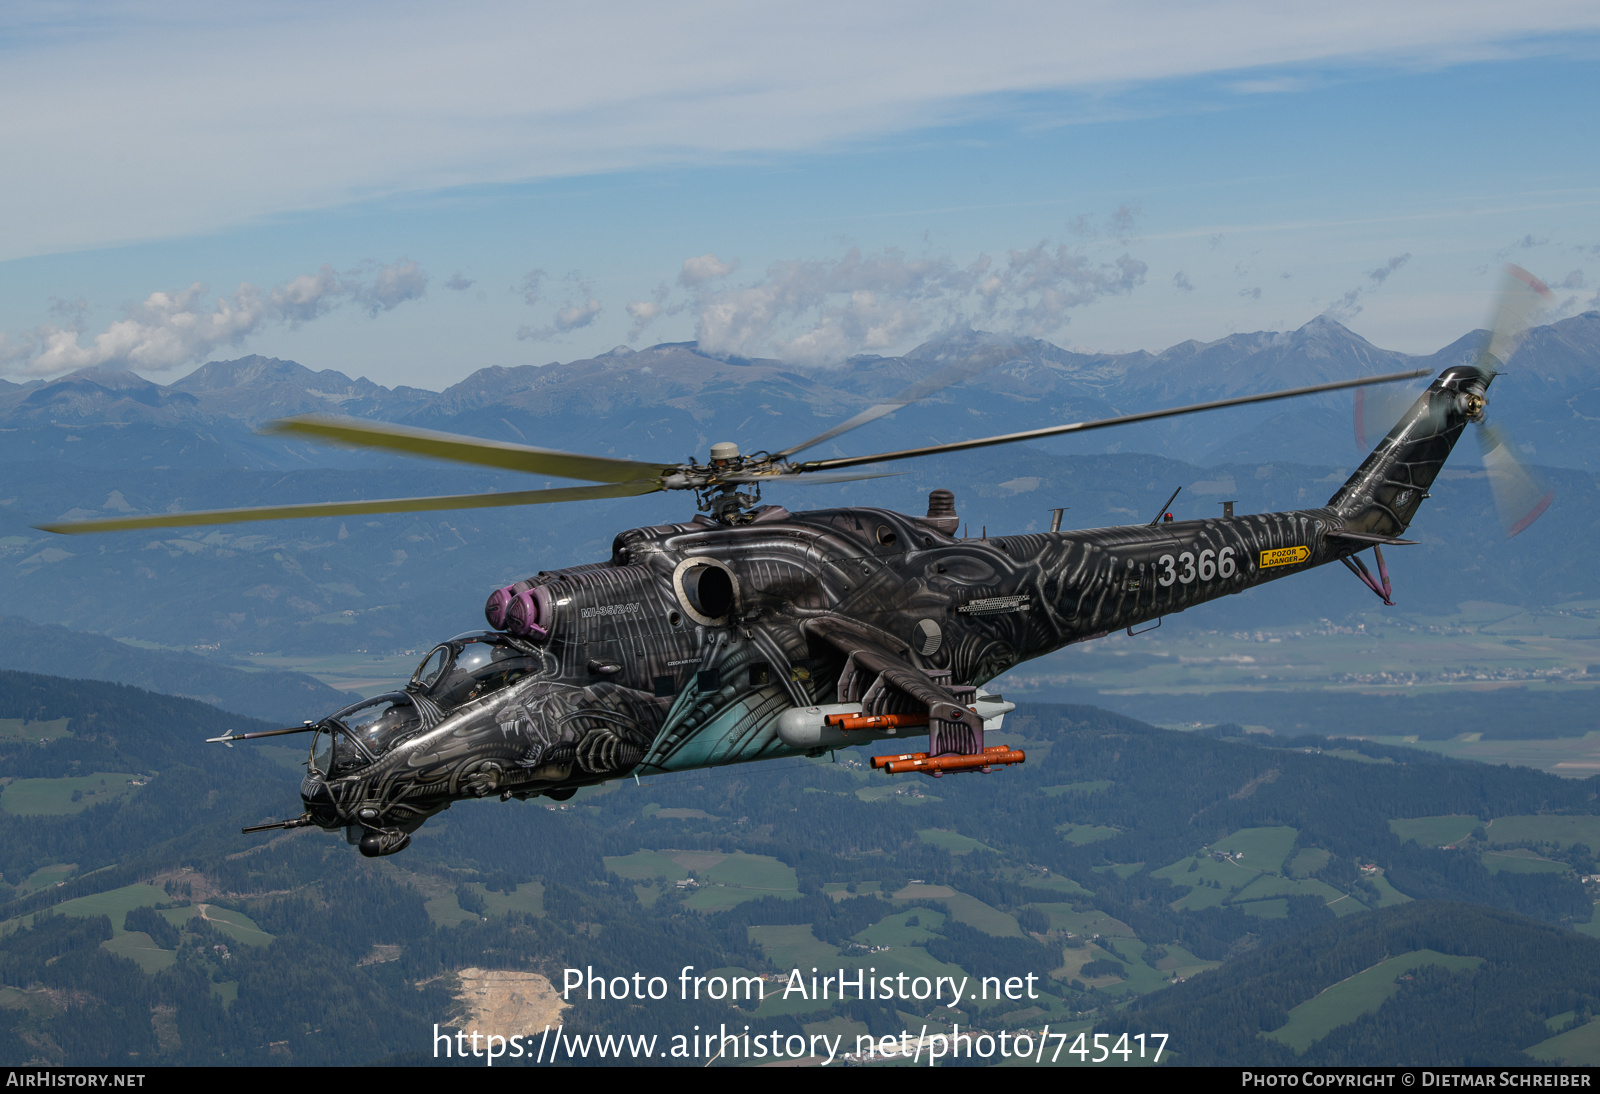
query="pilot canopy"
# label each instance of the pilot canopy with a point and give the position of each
(470, 666)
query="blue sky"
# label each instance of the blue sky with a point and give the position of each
(408, 194)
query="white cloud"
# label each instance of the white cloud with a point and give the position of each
(307, 296)
(141, 121)
(392, 286)
(1381, 274)
(823, 310)
(532, 286)
(568, 319)
(170, 329)
(577, 315)
(1348, 306)
(707, 267)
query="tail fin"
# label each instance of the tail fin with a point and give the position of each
(1383, 495)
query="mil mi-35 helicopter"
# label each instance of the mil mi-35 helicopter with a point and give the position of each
(752, 632)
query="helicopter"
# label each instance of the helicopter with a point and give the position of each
(751, 632)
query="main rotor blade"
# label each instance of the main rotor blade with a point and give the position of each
(1377, 411)
(355, 508)
(473, 450)
(811, 480)
(928, 385)
(1126, 419)
(1522, 298)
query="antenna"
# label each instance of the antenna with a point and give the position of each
(1055, 521)
(1157, 518)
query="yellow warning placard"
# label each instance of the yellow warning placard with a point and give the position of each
(1284, 556)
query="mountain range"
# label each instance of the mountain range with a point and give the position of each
(673, 399)
(106, 443)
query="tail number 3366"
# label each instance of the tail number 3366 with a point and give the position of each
(1186, 567)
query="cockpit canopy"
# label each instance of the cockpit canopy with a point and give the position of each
(458, 671)
(359, 734)
(470, 666)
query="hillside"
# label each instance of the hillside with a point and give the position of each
(1118, 864)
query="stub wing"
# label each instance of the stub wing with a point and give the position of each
(879, 675)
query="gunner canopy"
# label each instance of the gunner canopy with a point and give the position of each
(455, 672)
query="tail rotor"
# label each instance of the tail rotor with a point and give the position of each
(1520, 495)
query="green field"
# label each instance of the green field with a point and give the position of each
(1360, 994)
(1266, 909)
(905, 795)
(1576, 1048)
(1059, 884)
(527, 898)
(1388, 893)
(1085, 924)
(1263, 849)
(1521, 862)
(1307, 862)
(1180, 962)
(954, 842)
(645, 864)
(965, 909)
(727, 880)
(55, 797)
(1141, 978)
(793, 946)
(1570, 757)
(446, 911)
(759, 872)
(1270, 885)
(1562, 831)
(1198, 900)
(893, 930)
(116, 903)
(46, 876)
(1229, 876)
(236, 925)
(140, 947)
(20, 729)
(1078, 788)
(1435, 831)
(1256, 881)
(1086, 833)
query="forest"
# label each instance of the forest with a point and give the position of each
(1202, 884)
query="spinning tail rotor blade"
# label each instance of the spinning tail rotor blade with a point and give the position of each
(1522, 298)
(355, 508)
(1519, 496)
(954, 374)
(473, 450)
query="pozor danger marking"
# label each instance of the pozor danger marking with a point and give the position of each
(1284, 556)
